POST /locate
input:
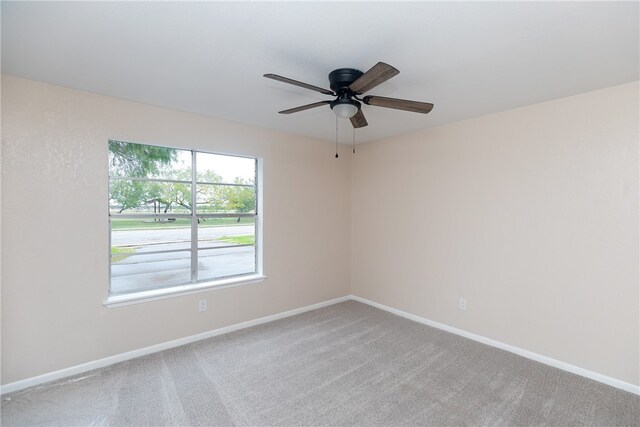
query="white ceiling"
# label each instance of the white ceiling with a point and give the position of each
(468, 58)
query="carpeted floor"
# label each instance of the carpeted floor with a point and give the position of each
(347, 364)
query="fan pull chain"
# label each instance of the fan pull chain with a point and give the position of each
(354, 140)
(337, 137)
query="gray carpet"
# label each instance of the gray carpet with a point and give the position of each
(347, 364)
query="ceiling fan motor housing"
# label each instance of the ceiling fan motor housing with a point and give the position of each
(341, 79)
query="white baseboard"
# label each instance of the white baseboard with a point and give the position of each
(510, 348)
(101, 363)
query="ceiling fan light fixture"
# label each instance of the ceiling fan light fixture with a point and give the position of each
(345, 108)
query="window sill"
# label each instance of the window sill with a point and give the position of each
(158, 294)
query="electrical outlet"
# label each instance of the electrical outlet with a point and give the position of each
(202, 305)
(462, 304)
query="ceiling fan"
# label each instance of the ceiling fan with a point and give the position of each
(346, 85)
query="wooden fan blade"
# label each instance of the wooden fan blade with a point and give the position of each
(297, 83)
(358, 121)
(304, 107)
(379, 73)
(398, 104)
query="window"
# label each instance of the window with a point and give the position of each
(180, 218)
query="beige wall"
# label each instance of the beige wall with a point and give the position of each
(55, 230)
(530, 214)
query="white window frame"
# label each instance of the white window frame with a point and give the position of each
(194, 286)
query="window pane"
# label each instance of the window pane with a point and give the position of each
(150, 204)
(216, 168)
(224, 262)
(150, 234)
(134, 273)
(148, 197)
(225, 198)
(127, 159)
(216, 232)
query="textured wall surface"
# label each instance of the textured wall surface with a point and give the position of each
(530, 214)
(55, 226)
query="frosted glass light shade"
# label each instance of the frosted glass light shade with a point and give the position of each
(345, 110)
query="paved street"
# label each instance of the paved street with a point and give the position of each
(149, 236)
(140, 271)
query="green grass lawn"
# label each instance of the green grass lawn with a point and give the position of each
(118, 253)
(248, 239)
(142, 224)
